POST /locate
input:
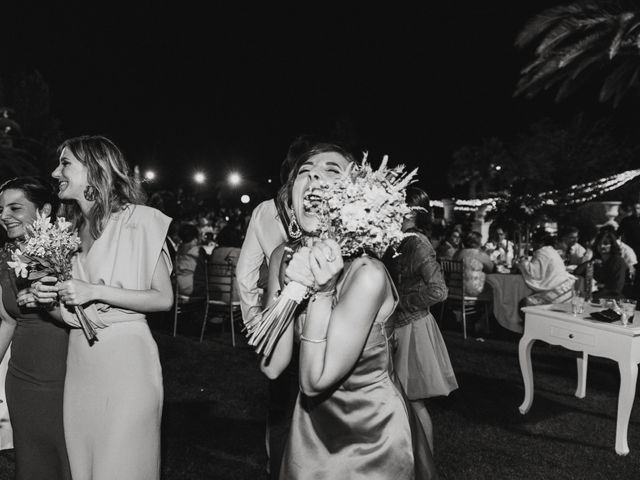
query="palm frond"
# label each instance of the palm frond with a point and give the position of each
(579, 40)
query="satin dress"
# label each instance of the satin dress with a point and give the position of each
(34, 386)
(357, 430)
(113, 391)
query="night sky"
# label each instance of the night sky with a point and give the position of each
(228, 87)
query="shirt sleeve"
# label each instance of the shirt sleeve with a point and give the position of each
(432, 289)
(248, 272)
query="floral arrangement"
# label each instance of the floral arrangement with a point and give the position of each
(47, 251)
(363, 211)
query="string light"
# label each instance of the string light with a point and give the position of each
(573, 195)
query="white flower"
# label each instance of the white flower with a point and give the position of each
(19, 267)
(62, 224)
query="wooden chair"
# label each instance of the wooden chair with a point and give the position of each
(453, 271)
(187, 303)
(223, 295)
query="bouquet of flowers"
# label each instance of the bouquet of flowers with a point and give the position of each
(47, 251)
(363, 211)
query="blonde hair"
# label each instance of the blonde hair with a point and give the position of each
(108, 174)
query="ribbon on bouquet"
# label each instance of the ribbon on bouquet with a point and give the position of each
(264, 330)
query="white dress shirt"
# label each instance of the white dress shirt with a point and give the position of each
(264, 233)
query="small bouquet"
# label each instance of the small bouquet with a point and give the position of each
(363, 211)
(47, 251)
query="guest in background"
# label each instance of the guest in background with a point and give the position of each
(626, 252)
(190, 259)
(609, 269)
(451, 244)
(573, 251)
(37, 367)
(545, 273)
(420, 360)
(270, 226)
(500, 249)
(476, 264)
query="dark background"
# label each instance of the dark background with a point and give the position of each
(218, 87)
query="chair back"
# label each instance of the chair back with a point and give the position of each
(588, 280)
(453, 277)
(222, 282)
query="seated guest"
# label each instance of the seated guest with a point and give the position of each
(448, 247)
(573, 251)
(190, 260)
(627, 253)
(609, 269)
(227, 251)
(545, 273)
(476, 263)
(499, 248)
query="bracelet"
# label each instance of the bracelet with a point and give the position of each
(327, 294)
(312, 340)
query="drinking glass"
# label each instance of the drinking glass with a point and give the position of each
(577, 302)
(628, 310)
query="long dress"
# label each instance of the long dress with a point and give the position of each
(34, 386)
(113, 391)
(357, 430)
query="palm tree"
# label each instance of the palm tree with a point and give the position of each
(575, 43)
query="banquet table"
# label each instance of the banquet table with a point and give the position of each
(507, 292)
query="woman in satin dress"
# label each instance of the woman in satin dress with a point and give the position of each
(350, 420)
(36, 374)
(113, 390)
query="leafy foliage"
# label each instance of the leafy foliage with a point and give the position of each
(578, 42)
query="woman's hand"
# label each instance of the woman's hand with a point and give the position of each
(326, 264)
(43, 292)
(299, 270)
(76, 292)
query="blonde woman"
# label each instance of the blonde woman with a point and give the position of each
(113, 390)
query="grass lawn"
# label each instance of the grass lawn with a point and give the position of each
(213, 424)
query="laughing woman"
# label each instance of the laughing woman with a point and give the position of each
(113, 390)
(35, 379)
(350, 421)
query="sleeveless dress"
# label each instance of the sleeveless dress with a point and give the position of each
(34, 386)
(358, 430)
(113, 391)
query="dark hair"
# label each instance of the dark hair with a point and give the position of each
(38, 190)
(109, 174)
(543, 238)
(229, 236)
(187, 232)
(602, 236)
(609, 229)
(473, 240)
(568, 230)
(418, 198)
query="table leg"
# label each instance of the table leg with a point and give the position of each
(583, 362)
(524, 355)
(628, 377)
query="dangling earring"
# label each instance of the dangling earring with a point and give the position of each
(294, 228)
(89, 193)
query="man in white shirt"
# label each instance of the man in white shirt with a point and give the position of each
(574, 252)
(264, 233)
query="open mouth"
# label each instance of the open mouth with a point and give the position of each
(62, 186)
(312, 201)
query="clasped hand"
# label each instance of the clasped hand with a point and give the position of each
(48, 290)
(317, 266)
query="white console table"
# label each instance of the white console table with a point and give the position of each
(556, 325)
